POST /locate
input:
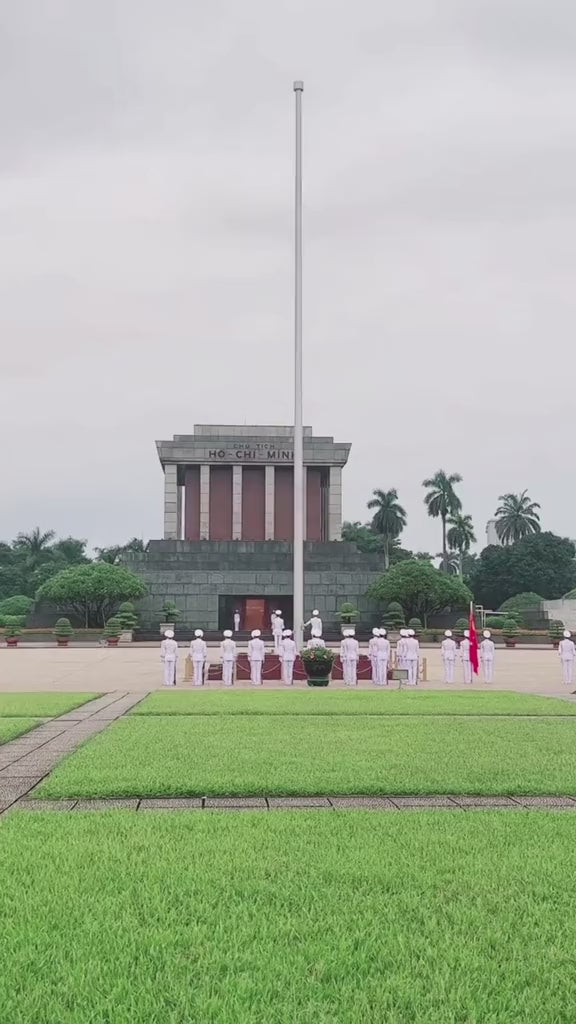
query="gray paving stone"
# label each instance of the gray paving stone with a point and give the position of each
(484, 801)
(547, 801)
(502, 807)
(275, 802)
(27, 804)
(229, 802)
(106, 805)
(178, 804)
(10, 791)
(369, 803)
(20, 769)
(422, 801)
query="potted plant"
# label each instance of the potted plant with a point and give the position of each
(416, 625)
(112, 631)
(129, 621)
(171, 614)
(555, 632)
(394, 617)
(460, 626)
(63, 631)
(348, 615)
(317, 663)
(510, 632)
(12, 629)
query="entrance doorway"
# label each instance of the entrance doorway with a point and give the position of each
(255, 612)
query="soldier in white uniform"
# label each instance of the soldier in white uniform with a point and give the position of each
(277, 630)
(169, 657)
(487, 656)
(228, 653)
(412, 657)
(349, 654)
(256, 655)
(448, 649)
(236, 620)
(465, 656)
(315, 622)
(382, 658)
(401, 649)
(316, 640)
(288, 654)
(567, 652)
(372, 653)
(198, 650)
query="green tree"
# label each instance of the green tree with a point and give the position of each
(34, 547)
(442, 502)
(70, 551)
(389, 519)
(421, 589)
(113, 555)
(363, 536)
(541, 564)
(92, 591)
(516, 517)
(460, 536)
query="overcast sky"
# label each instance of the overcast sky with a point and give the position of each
(146, 210)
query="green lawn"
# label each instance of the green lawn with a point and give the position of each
(44, 705)
(342, 702)
(312, 754)
(308, 918)
(12, 727)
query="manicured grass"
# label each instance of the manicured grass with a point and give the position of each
(12, 727)
(306, 754)
(343, 702)
(45, 705)
(307, 918)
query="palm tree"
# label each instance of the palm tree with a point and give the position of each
(442, 501)
(35, 546)
(516, 517)
(389, 519)
(460, 536)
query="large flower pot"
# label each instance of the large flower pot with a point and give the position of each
(312, 681)
(112, 641)
(555, 644)
(62, 641)
(509, 643)
(12, 641)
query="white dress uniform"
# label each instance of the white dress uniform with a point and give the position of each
(256, 655)
(315, 623)
(372, 649)
(349, 654)
(236, 621)
(567, 652)
(228, 654)
(169, 657)
(198, 654)
(315, 641)
(487, 656)
(382, 659)
(465, 657)
(288, 654)
(277, 630)
(412, 658)
(448, 649)
(401, 650)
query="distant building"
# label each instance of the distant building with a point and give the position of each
(491, 533)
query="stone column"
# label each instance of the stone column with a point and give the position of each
(179, 515)
(204, 502)
(171, 502)
(236, 502)
(269, 503)
(335, 504)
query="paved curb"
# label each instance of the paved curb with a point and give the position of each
(303, 803)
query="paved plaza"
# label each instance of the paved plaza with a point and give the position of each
(139, 670)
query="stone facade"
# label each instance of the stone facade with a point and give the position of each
(197, 574)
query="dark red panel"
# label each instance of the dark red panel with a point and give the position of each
(314, 504)
(221, 503)
(253, 503)
(192, 503)
(283, 503)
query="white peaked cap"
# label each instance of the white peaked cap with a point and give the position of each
(382, 632)
(287, 632)
(316, 633)
(255, 632)
(169, 633)
(487, 634)
(315, 612)
(277, 612)
(198, 632)
(466, 632)
(567, 634)
(227, 633)
(375, 631)
(447, 632)
(411, 632)
(403, 632)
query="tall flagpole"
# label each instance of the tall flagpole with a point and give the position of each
(298, 429)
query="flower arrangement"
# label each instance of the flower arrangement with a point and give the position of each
(317, 663)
